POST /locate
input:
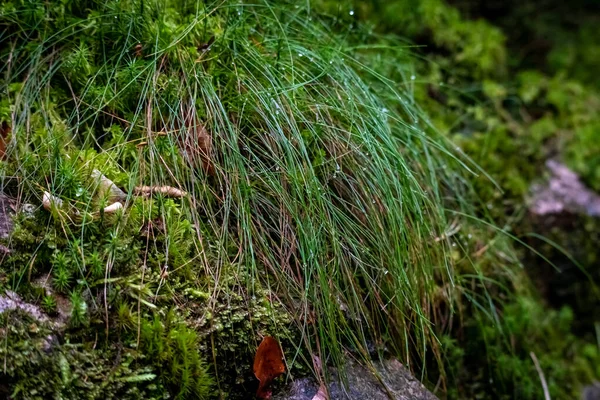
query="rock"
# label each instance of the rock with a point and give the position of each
(11, 301)
(591, 392)
(564, 193)
(362, 384)
(6, 224)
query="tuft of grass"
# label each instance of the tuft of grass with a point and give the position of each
(306, 170)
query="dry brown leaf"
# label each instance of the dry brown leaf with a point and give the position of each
(197, 142)
(4, 132)
(321, 394)
(168, 191)
(137, 50)
(268, 365)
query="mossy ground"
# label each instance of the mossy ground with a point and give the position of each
(170, 297)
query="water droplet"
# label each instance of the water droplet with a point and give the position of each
(300, 54)
(351, 12)
(412, 77)
(469, 236)
(384, 110)
(453, 244)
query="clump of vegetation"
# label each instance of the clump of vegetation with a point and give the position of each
(39, 365)
(297, 174)
(325, 202)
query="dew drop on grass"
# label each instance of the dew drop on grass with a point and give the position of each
(412, 77)
(351, 12)
(469, 236)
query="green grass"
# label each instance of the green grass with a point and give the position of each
(318, 186)
(323, 207)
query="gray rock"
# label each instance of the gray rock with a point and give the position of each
(564, 193)
(591, 392)
(363, 385)
(11, 301)
(6, 224)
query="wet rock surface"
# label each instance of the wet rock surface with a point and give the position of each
(6, 210)
(564, 193)
(363, 384)
(591, 392)
(11, 301)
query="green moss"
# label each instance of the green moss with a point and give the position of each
(320, 218)
(39, 366)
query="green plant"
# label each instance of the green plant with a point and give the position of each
(173, 347)
(324, 200)
(49, 304)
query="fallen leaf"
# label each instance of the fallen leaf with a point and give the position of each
(168, 191)
(197, 142)
(137, 50)
(4, 132)
(321, 394)
(268, 365)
